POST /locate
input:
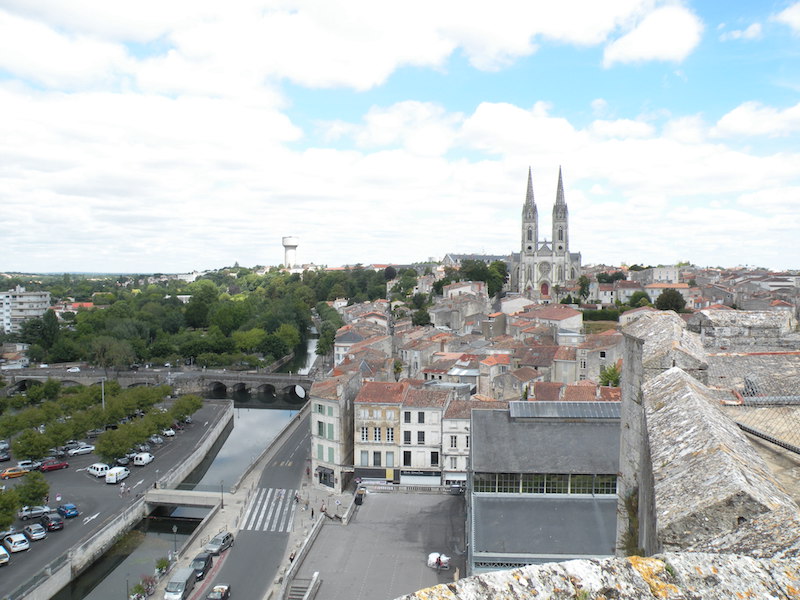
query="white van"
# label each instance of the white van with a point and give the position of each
(117, 474)
(142, 459)
(98, 469)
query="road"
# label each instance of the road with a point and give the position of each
(253, 563)
(98, 502)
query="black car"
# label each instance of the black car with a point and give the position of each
(52, 521)
(202, 564)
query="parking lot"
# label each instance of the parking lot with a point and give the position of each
(97, 501)
(382, 552)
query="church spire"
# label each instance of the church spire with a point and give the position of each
(530, 219)
(560, 191)
(529, 195)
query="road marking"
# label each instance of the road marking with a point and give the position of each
(270, 509)
(88, 519)
(137, 484)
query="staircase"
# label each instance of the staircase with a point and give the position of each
(303, 589)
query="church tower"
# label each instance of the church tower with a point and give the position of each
(560, 221)
(530, 221)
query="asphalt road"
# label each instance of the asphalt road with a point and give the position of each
(252, 564)
(98, 501)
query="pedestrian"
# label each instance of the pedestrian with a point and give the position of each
(308, 471)
(296, 498)
(291, 557)
(312, 514)
(306, 505)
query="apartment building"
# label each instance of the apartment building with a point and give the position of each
(18, 305)
(421, 430)
(376, 432)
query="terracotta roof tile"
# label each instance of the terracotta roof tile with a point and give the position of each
(382, 393)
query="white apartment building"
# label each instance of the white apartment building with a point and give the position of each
(455, 437)
(421, 429)
(17, 306)
(332, 430)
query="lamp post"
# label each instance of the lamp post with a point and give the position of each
(221, 495)
(155, 483)
(175, 539)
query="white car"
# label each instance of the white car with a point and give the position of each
(169, 432)
(16, 542)
(74, 370)
(4, 558)
(85, 449)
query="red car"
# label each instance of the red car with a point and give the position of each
(53, 465)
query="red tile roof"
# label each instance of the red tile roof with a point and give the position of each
(547, 391)
(382, 393)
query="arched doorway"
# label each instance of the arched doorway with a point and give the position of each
(545, 289)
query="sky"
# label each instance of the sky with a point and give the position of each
(151, 136)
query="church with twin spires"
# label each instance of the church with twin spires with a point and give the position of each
(542, 265)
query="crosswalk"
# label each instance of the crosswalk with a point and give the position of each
(270, 509)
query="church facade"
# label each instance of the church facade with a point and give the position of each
(542, 265)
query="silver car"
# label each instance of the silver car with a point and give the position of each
(32, 512)
(35, 532)
(219, 543)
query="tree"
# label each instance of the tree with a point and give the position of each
(670, 299)
(583, 282)
(33, 489)
(610, 376)
(637, 297)
(418, 301)
(49, 329)
(389, 273)
(421, 317)
(289, 335)
(30, 444)
(109, 352)
(9, 504)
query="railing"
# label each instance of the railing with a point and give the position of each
(393, 488)
(61, 562)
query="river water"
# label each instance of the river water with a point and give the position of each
(136, 553)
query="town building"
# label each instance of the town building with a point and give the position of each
(376, 433)
(18, 305)
(421, 430)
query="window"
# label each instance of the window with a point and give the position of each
(320, 429)
(453, 462)
(583, 364)
(330, 431)
(319, 452)
(602, 354)
(420, 417)
(377, 413)
(508, 483)
(330, 411)
(376, 459)
(484, 482)
(376, 434)
(581, 484)
(605, 484)
(365, 434)
(363, 413)
(406, 458)
(557, 484)
(390, 459)
(320, 409)
(364, 458)
(407, 417)
(406, 437)
(434, 459)
(454, 441)
(420, 437)
(330, 455)
(390, 434)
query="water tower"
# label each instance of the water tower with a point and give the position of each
(290, 251)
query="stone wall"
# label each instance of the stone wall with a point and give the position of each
(672, 575)
(744, 329)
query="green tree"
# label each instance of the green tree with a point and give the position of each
(109, 352)
(250, 340)
(421, 317)
(33, 489)
(9, 505)
(670, 299)
(637, 297)
(389, 273)
(30, 444)
(583, 283)
(114, 443)
(419, 301)
(49, 329)
(610, 376)
(289, 335)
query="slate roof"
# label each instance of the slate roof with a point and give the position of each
(501, 444)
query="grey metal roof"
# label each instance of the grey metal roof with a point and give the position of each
(564, 410)
(535, 525)
(500, 444)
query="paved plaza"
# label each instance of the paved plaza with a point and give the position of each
(382, 553)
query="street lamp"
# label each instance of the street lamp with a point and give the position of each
(221, 495)
(155, 483)
(175, 539)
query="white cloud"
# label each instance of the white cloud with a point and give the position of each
(669, 33)
(790, 16)
(621, 128)
(753, 118)
(753, 32)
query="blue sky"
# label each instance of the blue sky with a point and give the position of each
(192, 135)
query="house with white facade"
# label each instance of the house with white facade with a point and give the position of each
(376, 431)
(421, 429)
(18, 305)
(455, 437)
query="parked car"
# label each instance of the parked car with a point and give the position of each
(32, 512)
(202, 564)
(52, 521)
(155, 439)
(142, 459)
(143, 447)
(29, 465)
(16, 542)
(35, 532)
(56, 453)
(13, 472)
(68, 511)
(221, 591)
(187, 419)
(122, 461)
(54, 464)
(85, 449)
(70, 444)
(97, 469)
(117, 474)
(219, 543)
(169, 432)
(74, 370)
(4, 456)
(4, 445)
(4, 557)
(93, 433)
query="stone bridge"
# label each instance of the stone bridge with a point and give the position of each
(191, 381)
